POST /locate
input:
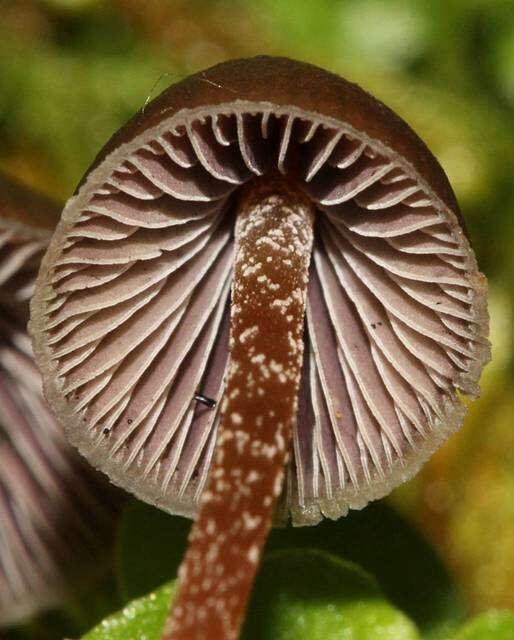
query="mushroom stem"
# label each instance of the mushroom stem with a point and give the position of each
(273, 247)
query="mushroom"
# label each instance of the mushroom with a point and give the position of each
(260, 303)
(53, 520)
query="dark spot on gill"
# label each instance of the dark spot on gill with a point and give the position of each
(208, 402)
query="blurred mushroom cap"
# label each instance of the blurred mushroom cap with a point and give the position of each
(55, 512)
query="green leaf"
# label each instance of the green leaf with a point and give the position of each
(305, 592)
(313, 595)
(405, 565)
(149, 548)
(492, 625)
(141, 619)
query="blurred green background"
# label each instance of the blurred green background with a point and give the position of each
(72, 71)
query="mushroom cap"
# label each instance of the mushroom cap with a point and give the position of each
(130, 316)
(51, 515)
(25, 209)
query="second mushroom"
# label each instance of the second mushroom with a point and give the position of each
(260, 303)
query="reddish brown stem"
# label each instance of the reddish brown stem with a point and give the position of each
(273, 247)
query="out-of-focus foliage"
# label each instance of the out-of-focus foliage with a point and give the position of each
(493, 625)
(150, 548)
(304, 593)
(310, 594)
(72, 71)
(405, 566)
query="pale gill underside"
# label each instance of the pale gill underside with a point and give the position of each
(51, 515)
(133, 309)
